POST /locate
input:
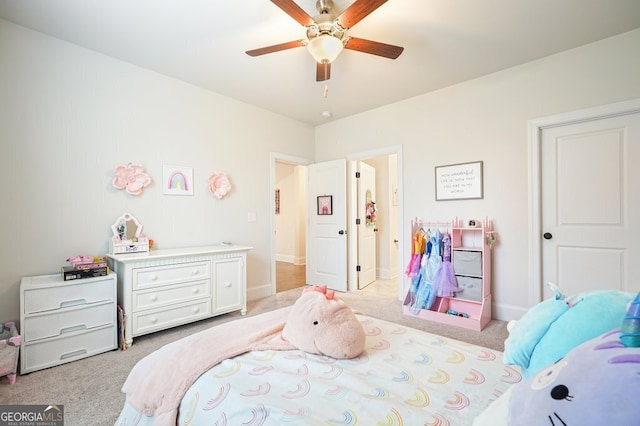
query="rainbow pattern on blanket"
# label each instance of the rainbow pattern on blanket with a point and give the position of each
(403, 377)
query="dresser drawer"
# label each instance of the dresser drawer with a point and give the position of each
(169, 295)
(148, 321)
(471, 288)
(57, 323)
(170, 274)
(66, 294)
(50, 352)
(467, 262)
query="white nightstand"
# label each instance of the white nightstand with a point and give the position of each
(63, 321)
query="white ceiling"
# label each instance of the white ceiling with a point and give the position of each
(202, 42)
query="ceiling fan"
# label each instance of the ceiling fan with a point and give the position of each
(327, 33)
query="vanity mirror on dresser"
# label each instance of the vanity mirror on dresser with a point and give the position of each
(165, 288)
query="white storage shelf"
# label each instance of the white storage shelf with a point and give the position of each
(64, 321)
(166, 288)
(471, 259)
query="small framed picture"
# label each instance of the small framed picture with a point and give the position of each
(177, 180)
(325, 205)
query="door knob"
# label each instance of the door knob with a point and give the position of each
(342, 232)
(547, 235)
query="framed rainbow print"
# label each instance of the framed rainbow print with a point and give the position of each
(177, 180)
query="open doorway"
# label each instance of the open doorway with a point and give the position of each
(389, 205)
(380, 215)
(289, 219)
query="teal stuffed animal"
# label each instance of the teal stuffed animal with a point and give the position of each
(549, 330)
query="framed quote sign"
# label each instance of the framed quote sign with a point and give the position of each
(459, 181)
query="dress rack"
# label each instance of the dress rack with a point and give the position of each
(471, 243)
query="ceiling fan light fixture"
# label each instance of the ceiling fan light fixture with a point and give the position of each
(325, 48)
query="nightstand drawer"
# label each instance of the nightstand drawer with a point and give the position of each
(467, 262)
(66, 294)
(169, 295)
(67, 321)
(47, 353)
(171, 274)
(148, 321)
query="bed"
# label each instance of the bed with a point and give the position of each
(403, 376)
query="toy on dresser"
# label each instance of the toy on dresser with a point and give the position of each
(128, 236)
(85, 266)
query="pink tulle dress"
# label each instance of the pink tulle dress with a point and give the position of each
(446, 282)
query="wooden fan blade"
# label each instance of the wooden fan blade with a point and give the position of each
(358, 11)
(295, 11)
(373, 47)
(275, 48)
(323, 71)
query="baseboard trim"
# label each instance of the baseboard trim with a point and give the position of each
(255, 293)
(386, 274)
(504, 312)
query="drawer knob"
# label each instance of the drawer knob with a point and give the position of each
(196, 310)
(154, 297)
(195, 272)
(227, 284)
(153, 320)
(154, 278)
(195, 290)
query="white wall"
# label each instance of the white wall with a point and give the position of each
(69, 115)
(486, 119)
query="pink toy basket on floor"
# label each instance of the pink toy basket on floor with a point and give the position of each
(9, 349)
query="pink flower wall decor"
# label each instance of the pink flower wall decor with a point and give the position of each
(219, 184)
(131, 178)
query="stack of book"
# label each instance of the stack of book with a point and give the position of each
(85, 267)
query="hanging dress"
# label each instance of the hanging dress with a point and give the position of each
(413, 267)
(418, 247)
(447, 283)
(426, 286)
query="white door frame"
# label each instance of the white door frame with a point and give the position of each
(535, 128)
(352, 213)
(273, 158)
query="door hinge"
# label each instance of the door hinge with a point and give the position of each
(357, 175)
(357, 221)
(358, 268)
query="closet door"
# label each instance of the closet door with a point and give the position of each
(590, 205)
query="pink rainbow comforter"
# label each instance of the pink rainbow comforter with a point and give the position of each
(404, 376)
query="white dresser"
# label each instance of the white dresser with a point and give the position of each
(165, 288)
(63, 321)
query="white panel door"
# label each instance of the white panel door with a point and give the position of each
(367, 228)
(327, 224)
(590, 200)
